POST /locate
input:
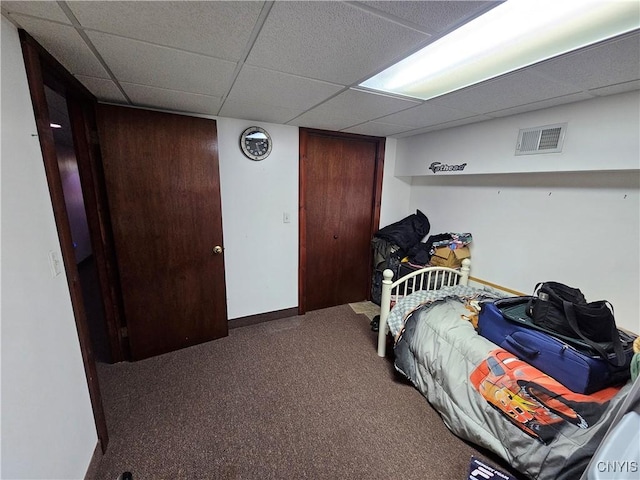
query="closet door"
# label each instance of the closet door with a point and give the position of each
(340, 190)
(163, 187)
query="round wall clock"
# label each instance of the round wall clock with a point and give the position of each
(256, 143)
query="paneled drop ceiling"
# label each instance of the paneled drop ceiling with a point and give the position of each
(299, 62)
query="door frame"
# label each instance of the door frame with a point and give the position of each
(304, 134)
(43, 69)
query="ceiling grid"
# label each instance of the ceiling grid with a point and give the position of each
(299, 63)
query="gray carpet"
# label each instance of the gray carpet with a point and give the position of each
(302, 397)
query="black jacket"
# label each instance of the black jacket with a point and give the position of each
(407, 232)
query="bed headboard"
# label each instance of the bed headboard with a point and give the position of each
(428, 278)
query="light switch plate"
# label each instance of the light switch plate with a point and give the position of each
(55, 262)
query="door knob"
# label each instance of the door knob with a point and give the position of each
(217, 250)
(335, 237)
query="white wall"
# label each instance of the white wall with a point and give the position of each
(47, 423)
(602, 134)
(396, 191)
(579, 228)
(261, 251)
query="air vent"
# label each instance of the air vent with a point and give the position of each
(547, 139)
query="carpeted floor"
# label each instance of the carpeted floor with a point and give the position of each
(302, 397)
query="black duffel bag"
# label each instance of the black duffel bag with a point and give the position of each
(564, 310)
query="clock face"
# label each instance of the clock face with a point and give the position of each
(255, 143)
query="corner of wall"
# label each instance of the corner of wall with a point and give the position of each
(395, 190)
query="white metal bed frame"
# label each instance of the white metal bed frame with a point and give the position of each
(427, 278)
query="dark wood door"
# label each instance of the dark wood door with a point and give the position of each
(341, 182)
(162, 181)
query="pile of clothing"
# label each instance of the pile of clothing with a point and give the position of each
(422, 253)
(402, 242)
(394, 242)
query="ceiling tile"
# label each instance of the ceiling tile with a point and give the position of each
(330, 41)
(426, 114)
(142, 95)
(618, 88)
(259, 112)
(146, 64)
(552, 102)
(377, 129)
(46, 10)
(615, 61)
(455, 123)
(351, 108)
(433, 16)
(518, 88)
(268, 87)
(218, 29)
(305, 54)
(104, 90)
(65, 44)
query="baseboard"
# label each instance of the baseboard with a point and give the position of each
(96, 458)
(497, 287)
(262, 317)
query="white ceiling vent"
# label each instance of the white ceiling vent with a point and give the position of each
(547, 139)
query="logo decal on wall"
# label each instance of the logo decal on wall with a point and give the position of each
(436, 167)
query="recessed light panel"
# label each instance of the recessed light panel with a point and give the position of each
(513, 35)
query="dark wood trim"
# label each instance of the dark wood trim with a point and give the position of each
(82, 108)
(302, 211)
(55, 68)
(262, 317)
(97, 211)
(35, 78)
(332, 134)
(377, 201)
(497, 287)
(302, 221)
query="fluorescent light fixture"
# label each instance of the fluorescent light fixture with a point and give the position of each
(55, 125)
(513, 35)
